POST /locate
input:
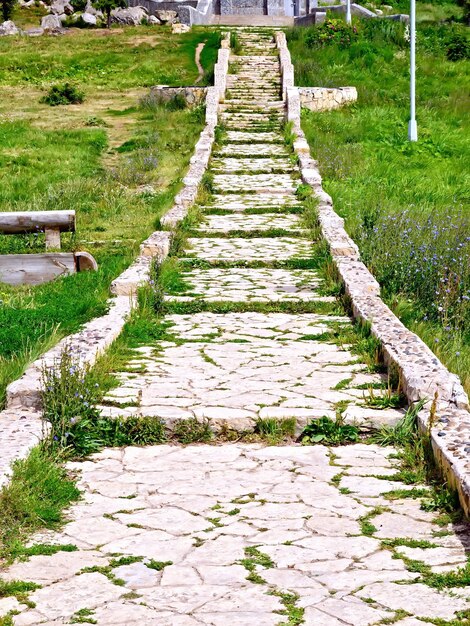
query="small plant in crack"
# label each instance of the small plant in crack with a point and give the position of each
(294, 613)
(329, 432)
(253, 560)
(157, 565)
(83, 616)
(192, 430)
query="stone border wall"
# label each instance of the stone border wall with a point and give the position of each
(21, 425)
(423, 376)
(192, 95)
(325, 98)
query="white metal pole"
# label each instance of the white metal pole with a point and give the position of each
(412, 126)
(348, 11)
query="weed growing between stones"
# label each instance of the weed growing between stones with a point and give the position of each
(157, 565)
(274, 430)
(329, 432)
(83, 616)
(293, 613)
(192, 430)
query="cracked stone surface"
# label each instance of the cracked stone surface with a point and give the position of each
(260, 285)
(265, 221)
(179, 523)
(252, 249)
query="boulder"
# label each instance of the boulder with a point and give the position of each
(89, 19)
(133, 16)
(177, 29)
(153, 20)
(27, 3)
(60, 7)
(167, 17)
(51, 23)
(9, 28)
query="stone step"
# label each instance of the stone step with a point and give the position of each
(250, 285)
(244, 136)
(242, 106)
(254, 182)
(247, 164)
(248, 149)
(250, 222)
(253, 366)
(213, 249)
(241, 202)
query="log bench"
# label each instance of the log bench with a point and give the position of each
(34, 269)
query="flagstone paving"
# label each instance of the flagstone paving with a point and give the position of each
(260, 285)
(246, 534)
(216, 534)
(266, 221)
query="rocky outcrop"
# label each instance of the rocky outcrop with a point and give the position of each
(132, 15)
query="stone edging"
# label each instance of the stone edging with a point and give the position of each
(326, 98)
(21, 426)
(422, 374)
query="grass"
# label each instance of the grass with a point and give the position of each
(93, 158)
(34, 499)
(381, 183)
(123, 58)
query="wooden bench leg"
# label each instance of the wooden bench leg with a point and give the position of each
(52, 238)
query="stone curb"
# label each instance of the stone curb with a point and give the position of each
(21, 425)
(422, 375)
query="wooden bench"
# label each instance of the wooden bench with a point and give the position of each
(34, 269)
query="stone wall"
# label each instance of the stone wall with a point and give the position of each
(243, 7)
(325, 98)
(192, 95)
(251, 7)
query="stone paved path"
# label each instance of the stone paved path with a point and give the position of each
(240, 534)
(215, 535)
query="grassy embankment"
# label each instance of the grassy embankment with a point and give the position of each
(91, 157)
(406, 204)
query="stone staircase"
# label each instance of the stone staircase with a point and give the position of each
(249, 327)
(245, 534)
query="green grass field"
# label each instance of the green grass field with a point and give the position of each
(406, 204)
(91, 157)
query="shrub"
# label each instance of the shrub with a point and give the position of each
(332, 32)
(458, 48)
(64, 93)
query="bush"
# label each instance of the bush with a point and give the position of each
(65, 93)
(458, 48)
(332, 32)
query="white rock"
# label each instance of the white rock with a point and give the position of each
(90, 19)
(132, 15)
(51, 23)
(9, 28)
